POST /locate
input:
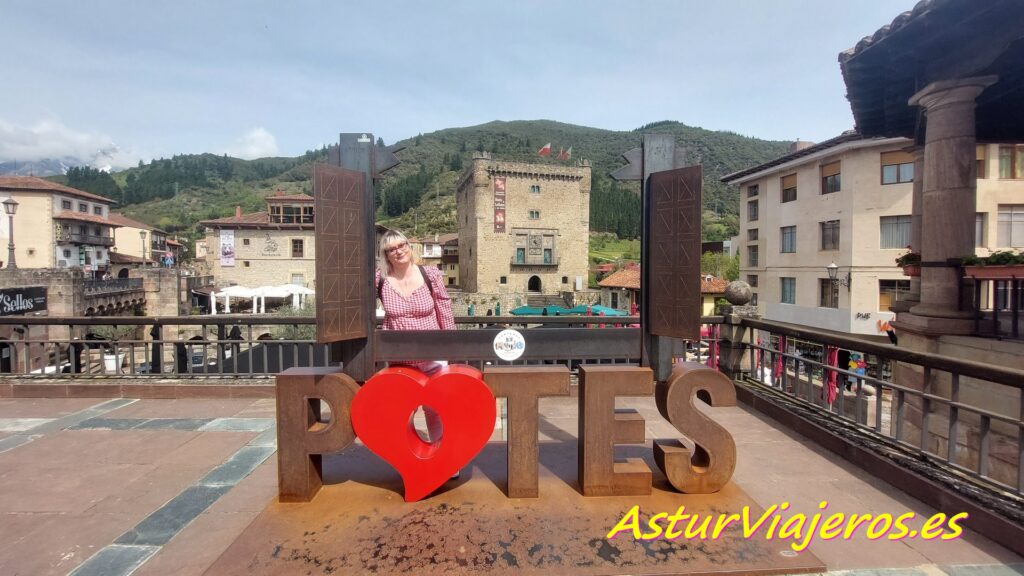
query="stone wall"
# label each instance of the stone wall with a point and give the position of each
(265, 261)
(546, 208)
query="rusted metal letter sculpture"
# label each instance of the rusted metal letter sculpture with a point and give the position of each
(601, 427)
(302, 438)
(523, 386)
(713, 459)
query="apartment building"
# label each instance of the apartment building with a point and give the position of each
(847, 201)
(57, 226)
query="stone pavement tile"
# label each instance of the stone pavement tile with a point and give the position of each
(261, 408)
(174, 424)
(115, 560)
(182, 408)
(14, 526)
(160, 526)
(96, 447)
(1015, 569)
(206, 450)
(103, 423)
(238, 466)
(238, 425)
(139, 498)
(43, 407)
(60, 543)
(60, 486)
(8, 425)
(196, 547)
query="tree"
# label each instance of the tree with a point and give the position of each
(720, 264)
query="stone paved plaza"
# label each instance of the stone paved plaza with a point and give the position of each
(91, 486)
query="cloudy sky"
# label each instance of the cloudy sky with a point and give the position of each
(259, 78)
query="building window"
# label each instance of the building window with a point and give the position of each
(895, 231)
(97, 210)
(67, 253)
(504, 279)
(535, 189)
(65, 204)
(297, 250)
(83, 207)
(96, 231)
(565, 279)
(1011, 162)
(753, 299)
(299, 279)
(752, 210)
(980, 153)
(830, 235)
(979, 229)
(890, 292)
(752, 280)
(828, 293)
(752, 235)
(451, 281)
(787, 286)
(753, 190)
(245, 241)
(520, 255)
(534, 214)
(897, 167)
(830, 178)
(788, 234)
(789, 188)
(1010, 228)
(751, 255)
(245, 263)
(547, 255)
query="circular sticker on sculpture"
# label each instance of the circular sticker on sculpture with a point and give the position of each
(509, 344)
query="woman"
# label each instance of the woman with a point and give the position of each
(414, 298)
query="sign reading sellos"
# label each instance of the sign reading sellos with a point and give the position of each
(499, 205)
(15, 301)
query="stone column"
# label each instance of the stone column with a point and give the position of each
(948, 197)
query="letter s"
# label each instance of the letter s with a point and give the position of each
(713, 460)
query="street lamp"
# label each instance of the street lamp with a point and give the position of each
(833, 275)
(10, 207)
(142, 236)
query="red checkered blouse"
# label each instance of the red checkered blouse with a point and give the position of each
(419, 311)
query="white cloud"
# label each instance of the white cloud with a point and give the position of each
(51, 139)
(256, 143)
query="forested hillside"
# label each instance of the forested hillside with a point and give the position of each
(418, 194)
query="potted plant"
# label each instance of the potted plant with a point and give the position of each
(1002, 264)
(910, 262)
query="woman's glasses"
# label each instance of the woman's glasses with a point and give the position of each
(396, 248)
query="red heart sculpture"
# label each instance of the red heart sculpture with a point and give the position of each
(382, 414)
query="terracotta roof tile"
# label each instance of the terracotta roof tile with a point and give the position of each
(83, 217)
(629, 278)
(33, 183)
(251, 219)
(712, 285)
(290, 198)
(625, 278)
(122, 220)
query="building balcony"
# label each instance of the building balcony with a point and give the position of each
(85, 239)
(112, 286)
(516, 262)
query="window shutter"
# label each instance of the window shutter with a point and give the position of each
(830, 169)
(789, 181)
(896, 157)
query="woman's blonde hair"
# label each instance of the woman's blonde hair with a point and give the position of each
(387, 240)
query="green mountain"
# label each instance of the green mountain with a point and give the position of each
(418, 194)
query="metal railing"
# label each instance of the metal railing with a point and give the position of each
(260, 347)
(111, 286)
(85, 239)
(963, 415)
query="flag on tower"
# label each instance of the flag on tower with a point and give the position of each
(565, 154)
(545, 150)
